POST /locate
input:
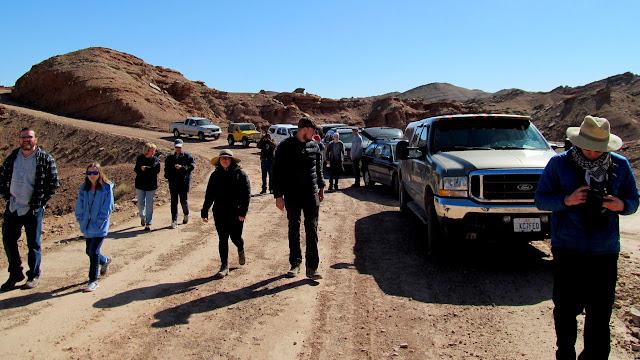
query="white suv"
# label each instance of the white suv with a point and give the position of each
(281, 132)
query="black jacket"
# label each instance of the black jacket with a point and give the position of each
(147, 179)
(179, 179)
(297, 168)
(229, 191)
(46, 183)
(267, 148)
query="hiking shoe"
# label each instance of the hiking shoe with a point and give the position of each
(313, 274)
(185, 219)
(31, 283)
(174, 225)
(224, 271)
(241, 258)
(104, 268)
(147, 228)
(294, 271)
(142, 223)
(263, 192)
(11, 283)
(92, 286)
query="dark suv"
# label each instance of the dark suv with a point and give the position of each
(474, 175)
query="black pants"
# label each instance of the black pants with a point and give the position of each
(335, 169)
(583, 282)
(228, 226)
(184, 201)
(310, 206)
(356, 170)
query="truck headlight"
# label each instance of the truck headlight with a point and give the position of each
(454, 186)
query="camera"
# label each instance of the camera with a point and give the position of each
(596, 193)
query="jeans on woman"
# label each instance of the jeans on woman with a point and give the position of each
(145, 204)
(95, 258)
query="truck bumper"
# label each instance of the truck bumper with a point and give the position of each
(463, 216)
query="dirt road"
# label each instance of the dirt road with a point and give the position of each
(380, 297)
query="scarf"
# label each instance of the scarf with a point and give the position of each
(595, 168)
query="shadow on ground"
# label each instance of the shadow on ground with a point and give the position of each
(467, 273)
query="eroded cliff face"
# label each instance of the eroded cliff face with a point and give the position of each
(109, 86)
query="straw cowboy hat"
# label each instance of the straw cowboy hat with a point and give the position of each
(594, 134)
(224, 153)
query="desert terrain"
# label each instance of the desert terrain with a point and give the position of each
(381, 298)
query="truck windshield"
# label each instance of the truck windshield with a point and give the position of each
(473, 134)
(246, 127)
(201, 122)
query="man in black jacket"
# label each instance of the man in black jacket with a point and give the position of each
(28, 179)
(177, 169)
(267, 147)
(298, 185)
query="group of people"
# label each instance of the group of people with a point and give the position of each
(586, 188)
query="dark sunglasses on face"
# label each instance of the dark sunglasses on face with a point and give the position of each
(26, 137)
(93, 172)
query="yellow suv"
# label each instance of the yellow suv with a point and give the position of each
(243, 132)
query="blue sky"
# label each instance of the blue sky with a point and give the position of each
(339, 48)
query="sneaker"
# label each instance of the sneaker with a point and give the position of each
(185, 219)
(104, 268)
(147, 227)
(11, 283)
(241, 258)
(313, 274)
(31, 283)
(92, 286)
(142, 223)
(294, 271)
(224, 271)
(174, 225)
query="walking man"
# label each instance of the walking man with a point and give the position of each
(298, 185)
(335, 159)
(267, 148)
(177, 170)
(356, 155)
(586, 188)
(28, 179)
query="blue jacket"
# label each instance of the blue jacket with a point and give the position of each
(93, 210)
(575, 227)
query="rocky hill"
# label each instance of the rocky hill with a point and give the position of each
(105, 85)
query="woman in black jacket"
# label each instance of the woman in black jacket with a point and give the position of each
(147, 169)
(229, 191)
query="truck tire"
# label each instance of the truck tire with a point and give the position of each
(245, 141)
(394, 184)
(403, 199)
(366, 177)
(230, 140)
(216, 137)
(201, 136)
(434, 231)
(176, 133)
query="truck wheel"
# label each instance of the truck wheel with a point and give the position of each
(176, 133)
(201, 136)
(394, 184)
(366, 177)
(434, 231)
(403, 198)
(216, 137)
(230, 140)
(245, 141)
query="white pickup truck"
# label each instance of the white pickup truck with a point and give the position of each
(197, 126)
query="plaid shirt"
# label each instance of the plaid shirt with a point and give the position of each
(46, 182)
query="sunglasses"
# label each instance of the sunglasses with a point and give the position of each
(93, 172)
(26, 137)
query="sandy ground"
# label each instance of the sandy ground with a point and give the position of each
(380, 297)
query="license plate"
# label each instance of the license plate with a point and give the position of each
(526, 225)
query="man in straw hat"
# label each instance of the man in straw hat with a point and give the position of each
(298, 185)
(229, 191)
(586, 188)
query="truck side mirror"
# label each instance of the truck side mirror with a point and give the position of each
(402, 150)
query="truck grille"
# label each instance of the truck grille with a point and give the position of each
(494, 186)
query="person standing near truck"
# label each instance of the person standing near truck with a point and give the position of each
(267, 148)
(335, 160)
(587, 188)
(356, 155)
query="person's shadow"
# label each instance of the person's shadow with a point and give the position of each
(31, 298)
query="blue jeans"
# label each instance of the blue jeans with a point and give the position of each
(95, 258)
(11, 232)
(145, 204)
(355, 164)
(267, 167)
